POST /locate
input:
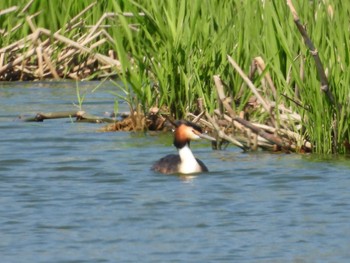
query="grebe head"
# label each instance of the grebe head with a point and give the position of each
(186, 131)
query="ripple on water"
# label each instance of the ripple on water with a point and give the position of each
(64, 187)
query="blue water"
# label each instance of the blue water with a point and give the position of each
(69, 193)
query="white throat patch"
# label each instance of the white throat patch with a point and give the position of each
(188, 163)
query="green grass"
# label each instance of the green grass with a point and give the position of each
(180, 45)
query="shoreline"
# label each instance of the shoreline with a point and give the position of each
(285, 100)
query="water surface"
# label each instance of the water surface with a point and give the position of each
(71, 194)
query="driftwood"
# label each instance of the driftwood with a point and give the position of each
(124, 121)
(80, 116)
(41, 116)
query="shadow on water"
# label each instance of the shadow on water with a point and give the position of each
(71, 194)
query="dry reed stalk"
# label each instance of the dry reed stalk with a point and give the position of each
(98, 43)
(260, 134)
(102, 58)
(82, 12)
(50, 66)
(24, 69)
(259, 64)
(17, 61)
(320, 71)
(243, 130)
(87, 63)
(250, 141)
(236, 124)
(44, 49)
(2, 59)
(40, 70)
(67, 54)
(20, 42)
(200, 120)
(99, 22)
(198, 117)
(35, 44)
(224, 101)
(270, 137)
(200, 104)
(249, 83)
(224, 136)
(108, 36)
(26, 7)
(13, 29)
(87, 39)
(292, 137)
(129, 14)
(8, 10)
(314, 53)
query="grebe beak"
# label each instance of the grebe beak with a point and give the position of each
(206, 136)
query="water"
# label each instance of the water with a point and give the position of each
(71, 194)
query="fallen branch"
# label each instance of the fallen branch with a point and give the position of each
(41, 116)
(81, 116)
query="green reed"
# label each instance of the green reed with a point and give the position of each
(177, 46)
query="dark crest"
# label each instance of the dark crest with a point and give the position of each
(188, 123)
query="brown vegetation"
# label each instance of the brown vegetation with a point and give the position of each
(44, 54)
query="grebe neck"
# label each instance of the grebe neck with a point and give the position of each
(188, 163)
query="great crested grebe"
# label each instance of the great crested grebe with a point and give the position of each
(184, 162)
